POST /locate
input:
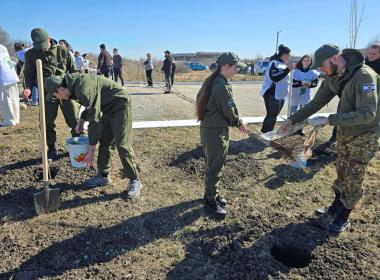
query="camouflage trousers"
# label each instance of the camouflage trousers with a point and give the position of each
(354, 155)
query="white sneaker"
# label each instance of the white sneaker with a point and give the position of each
(98, 180)
(134, 188)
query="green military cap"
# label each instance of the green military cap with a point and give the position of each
(323, 53)
(230, 58)
(40, 38)
(51, 84)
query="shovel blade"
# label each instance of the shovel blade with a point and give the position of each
(47, 201)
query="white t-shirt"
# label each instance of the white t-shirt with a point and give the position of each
(301, 96)
(21, 54)
(79, 62)
(8, 73)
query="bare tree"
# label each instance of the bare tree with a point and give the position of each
(258, 57)
(355, 21)
(376, 39)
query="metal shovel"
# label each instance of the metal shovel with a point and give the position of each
(48, 200)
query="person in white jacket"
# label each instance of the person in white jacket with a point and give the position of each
(78, 61)
(275, 86)
(9, 93)
(148, 64)
(303, 80)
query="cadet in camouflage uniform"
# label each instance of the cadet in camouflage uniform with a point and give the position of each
(55, 61)
(357, 119)
(108, 111)
(217, 111)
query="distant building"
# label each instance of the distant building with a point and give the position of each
(205, 58)
(293, 58)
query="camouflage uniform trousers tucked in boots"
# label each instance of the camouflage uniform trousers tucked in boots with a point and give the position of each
(354, 155)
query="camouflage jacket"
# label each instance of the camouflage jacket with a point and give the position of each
(55, 61)
(358, 90)
(100, 96)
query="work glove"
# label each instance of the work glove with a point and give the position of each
(318, 121)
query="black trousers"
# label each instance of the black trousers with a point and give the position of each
(149, 77)
(106, 71)
(118, 73)
(273, 107)
(172, 78)
(168, 81)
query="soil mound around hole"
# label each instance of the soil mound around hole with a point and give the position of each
(291, 256)
(237, 166)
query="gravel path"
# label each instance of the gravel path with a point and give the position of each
(151, 104)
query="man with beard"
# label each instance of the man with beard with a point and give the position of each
(373, 61)
(357, 121)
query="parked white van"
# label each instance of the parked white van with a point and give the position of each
(261, 66)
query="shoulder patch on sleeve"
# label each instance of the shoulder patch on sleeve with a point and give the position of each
(369, 89)
(365, 88)
(230, 103)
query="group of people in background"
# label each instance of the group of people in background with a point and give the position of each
(276, 84)
(168, 68)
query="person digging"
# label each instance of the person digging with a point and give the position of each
(357, 122)
(108, 111)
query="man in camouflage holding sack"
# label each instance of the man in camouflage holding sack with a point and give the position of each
(357, 119)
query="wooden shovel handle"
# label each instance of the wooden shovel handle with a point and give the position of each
(40, 80)
(290, 93)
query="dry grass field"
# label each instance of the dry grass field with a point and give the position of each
(269, 233)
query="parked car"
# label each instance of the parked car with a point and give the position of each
(196, 66)
(245, 70)
(261, 66)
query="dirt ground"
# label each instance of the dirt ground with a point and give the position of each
(270, 231)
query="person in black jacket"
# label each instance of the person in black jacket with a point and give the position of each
(275, 86)
(117, 66)
(104, 62)
(167, 67)
(373, 57)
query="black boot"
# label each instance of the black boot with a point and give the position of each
(52, 152)
(335, 207)
(222, 201)
(341, 221)
(215, 208)
(333, 210)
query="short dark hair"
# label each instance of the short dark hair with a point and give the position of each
(18, 46)
(115, 49)
(65, 42)
(376, 46)
(102, 46)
